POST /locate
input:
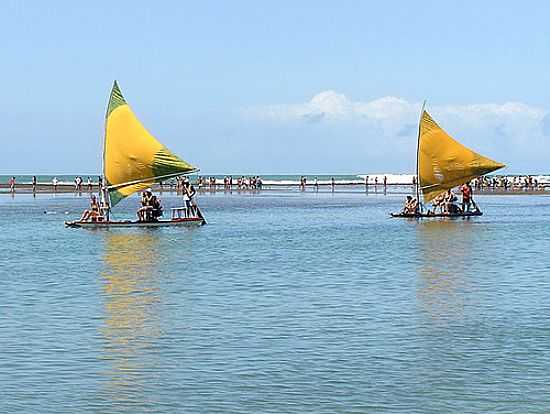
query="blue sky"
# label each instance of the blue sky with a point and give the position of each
(275, 87)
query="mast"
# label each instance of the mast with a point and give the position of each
(418, 157)
(104, 191)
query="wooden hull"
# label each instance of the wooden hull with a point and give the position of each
(438, 215)
(194, 221)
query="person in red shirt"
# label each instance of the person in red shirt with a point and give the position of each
(466, 191)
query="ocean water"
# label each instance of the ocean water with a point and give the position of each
(286, 302)
(268, 179)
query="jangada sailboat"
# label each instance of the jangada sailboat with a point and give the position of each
(443, 163)
(133, 160)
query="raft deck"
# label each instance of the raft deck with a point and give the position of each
(191, 221)
(436, 215)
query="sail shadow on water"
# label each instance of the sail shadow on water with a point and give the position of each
(132, 321)
(445, 251)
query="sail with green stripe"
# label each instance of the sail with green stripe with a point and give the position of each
(133, 159)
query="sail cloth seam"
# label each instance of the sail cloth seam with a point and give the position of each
(153, 179)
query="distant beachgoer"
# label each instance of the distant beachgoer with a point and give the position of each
(89, 183)
(34, 183)
(100, 182)
(11, 183)
(332, 182)
(55, 181)
(316, 183)
(385, 181)
(366, 181)
(414, 180)
(375, 181)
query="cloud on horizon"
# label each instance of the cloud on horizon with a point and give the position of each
(512, 132)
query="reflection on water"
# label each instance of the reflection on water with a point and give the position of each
(131, 325)
(445, 252)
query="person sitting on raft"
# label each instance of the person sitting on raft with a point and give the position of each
(146, 205)
(411, 206)
(439, 202)
(93, 213)
(449, 203)
(156, 208)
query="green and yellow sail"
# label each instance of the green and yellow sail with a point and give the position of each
(133, 159)
(444, 163)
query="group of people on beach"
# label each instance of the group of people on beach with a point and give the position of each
(384, 181)
(243, 183)
(78, 182)
(516, 183)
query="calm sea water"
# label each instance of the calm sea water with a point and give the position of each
(285, 303)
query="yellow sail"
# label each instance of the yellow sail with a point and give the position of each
(444, 163)
(134, 159)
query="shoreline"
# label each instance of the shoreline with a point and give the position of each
(47, 189)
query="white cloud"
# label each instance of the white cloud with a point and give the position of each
(330, 105)
(513, 132)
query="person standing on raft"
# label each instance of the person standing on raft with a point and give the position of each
(467, 197)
